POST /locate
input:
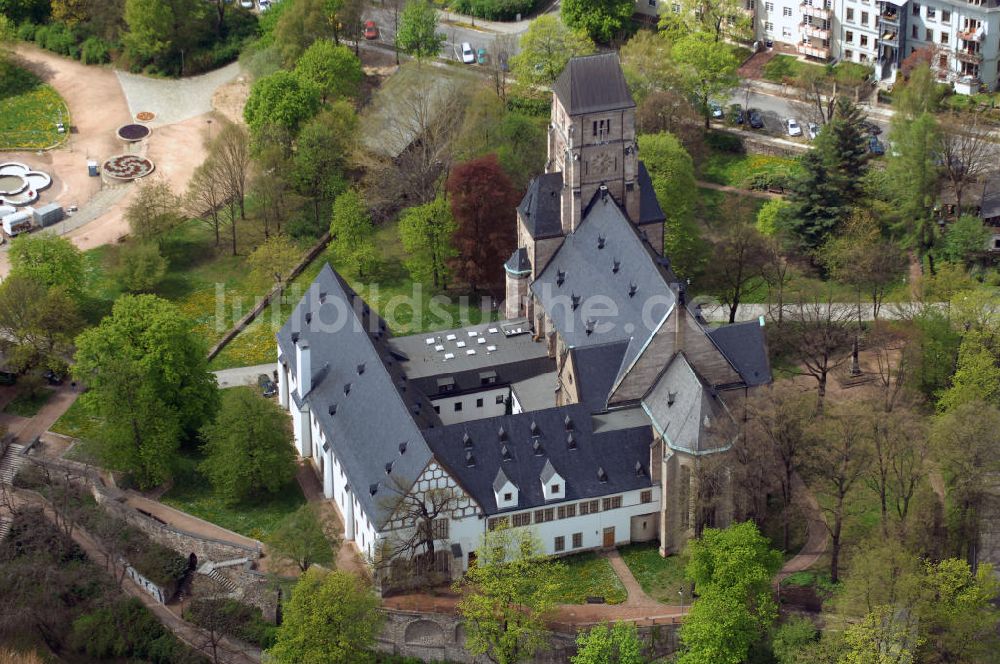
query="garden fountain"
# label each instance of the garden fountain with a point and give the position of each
(19, 185)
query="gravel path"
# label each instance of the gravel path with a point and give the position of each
(174, 100)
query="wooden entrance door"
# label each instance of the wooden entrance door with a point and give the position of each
(609, 537)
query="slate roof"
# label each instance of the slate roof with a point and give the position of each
(518, 263)
(745, 346)
(586, 270)
(541, 206)
(649, 207)
(596, 368)
(617, 452)
(375, 415)
(593, 83)
(688, 414)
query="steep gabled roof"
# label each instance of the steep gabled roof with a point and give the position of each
(596, 368)
(365, 413)
(745, 346)
(687, 413)
(541, 207)
(593, 83)
(623, 303)
(617, 452)
(649, 207)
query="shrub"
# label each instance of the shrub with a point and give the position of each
(723, 142)
(232, 618)
(60, 39)
(531, 106)
(26, 31)
(94, 50)
(41, 34)
(494, 10)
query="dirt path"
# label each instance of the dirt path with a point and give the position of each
(736, 190)
(27, 429)
(228, 652)
(98, 105)
(184, 521)
(818, 535)
(348, 556)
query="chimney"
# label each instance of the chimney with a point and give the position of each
(303, 367)
(680, 318)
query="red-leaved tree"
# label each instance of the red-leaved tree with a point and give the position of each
(482, 202)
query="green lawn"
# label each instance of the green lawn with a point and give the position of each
(192, 493)
(739, 170)
(586, 575)
(76, 423)
(660, 578)
(29, 110)
(785, 68)
(25, 405)
(408, 307)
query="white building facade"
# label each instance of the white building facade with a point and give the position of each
(964, 36)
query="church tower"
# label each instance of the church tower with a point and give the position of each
(591, 145)
(592, 137)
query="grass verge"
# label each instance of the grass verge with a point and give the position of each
(27, 405)
(192, 493)
(660, 578)
(29, 110)
(586, 575)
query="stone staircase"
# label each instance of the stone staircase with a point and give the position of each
(10, 463)
(5, 523)
(211, 570)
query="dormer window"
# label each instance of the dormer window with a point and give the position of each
(552, 483)
(555, 488)
(507, 497)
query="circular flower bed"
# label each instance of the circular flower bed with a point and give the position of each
(133, 132)
(144, 116)
(127, 167)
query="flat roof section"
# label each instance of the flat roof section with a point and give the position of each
(477, 347)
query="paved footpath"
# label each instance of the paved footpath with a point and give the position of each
(27, 429)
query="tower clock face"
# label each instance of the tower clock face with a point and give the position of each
(603, 164)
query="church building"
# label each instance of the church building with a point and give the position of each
(584, 415)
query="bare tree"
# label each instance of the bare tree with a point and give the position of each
(232, 150)
(966, 152)
(153, 211)
(415, 150)
(738, 258)
(839, 458)
(816, 91)
(898, 445)
(777, 425)
(892, 360)
(206, 196)
(218, 619)
(420, 518)
(501, 50)
(776, 272)
(819, 338)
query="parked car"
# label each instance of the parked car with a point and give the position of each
(371, 30)
(792, 127)
(246, 4)
(813, 131)
(875, 146)
(482, 57)
(736, 115)
(264, 5)
(871, 128)
(8, 377)
(468, 55)
(266, 385)
(716, 109)
(54, 377)
(756, 119)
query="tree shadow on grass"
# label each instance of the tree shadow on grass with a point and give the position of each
(16, 80)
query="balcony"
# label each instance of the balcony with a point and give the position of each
(972, 34)
(819, 10)
(811, 30)
(813, 51)
(975, 57)
(889, 38)
(889, 19)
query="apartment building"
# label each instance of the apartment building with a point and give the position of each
(964, 35)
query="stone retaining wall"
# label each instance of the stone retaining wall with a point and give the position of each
(439, 636)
